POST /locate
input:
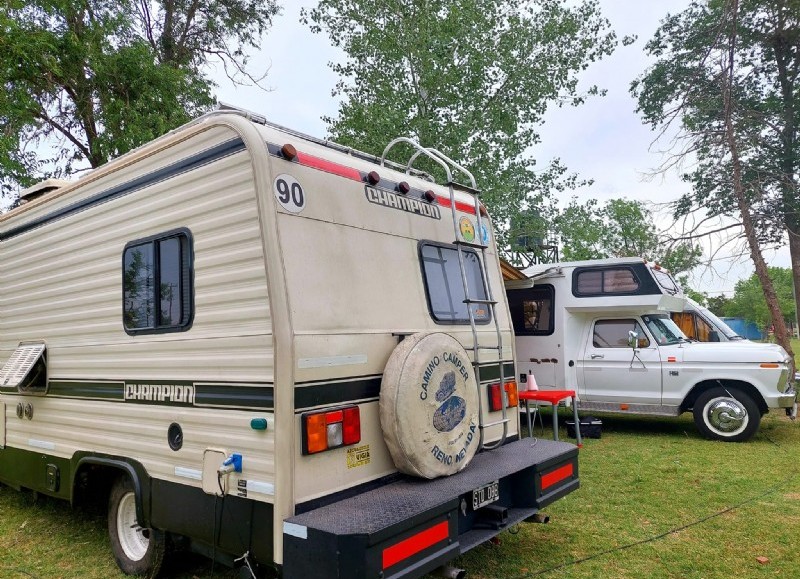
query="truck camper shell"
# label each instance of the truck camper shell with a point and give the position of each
(277, 347)
(605, 328)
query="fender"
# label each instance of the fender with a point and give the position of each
(132, 468)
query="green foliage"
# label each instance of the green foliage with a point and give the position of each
(472, 78)
(619, 228)
(685, 86)
(718, 304)
(89, 80)
(748, 300)
(685, 82)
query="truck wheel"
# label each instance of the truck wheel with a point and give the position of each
(137, 550)
(726, 414)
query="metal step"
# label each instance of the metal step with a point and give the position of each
(498, 348)
(495, 423)
(465, 188)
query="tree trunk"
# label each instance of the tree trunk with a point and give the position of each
(778, 323)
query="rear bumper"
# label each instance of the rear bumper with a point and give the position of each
(408, 528)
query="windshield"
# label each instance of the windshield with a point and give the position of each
(664, 329)
(665, 280)
(719, 324)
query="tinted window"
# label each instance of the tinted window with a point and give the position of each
(532, 310)
(445, 288)
(606, 281)
(156, 284)
(614, 334)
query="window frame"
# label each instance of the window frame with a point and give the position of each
(187, 277)
(458, 322)
(516, 305)
(603, 270)
(606, 321)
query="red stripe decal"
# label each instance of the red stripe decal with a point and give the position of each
(414, 544)
(464, 207)
(328, 166)
(350, 173)
(556, 475)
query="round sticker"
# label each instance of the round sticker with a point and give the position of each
(467, 229)
(485, 234)
(289, 193)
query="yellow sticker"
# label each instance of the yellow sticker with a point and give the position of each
(467, 229)
(358, 456)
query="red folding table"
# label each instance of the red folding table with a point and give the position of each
(552, 397)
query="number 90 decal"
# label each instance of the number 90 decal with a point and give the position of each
(289, 193)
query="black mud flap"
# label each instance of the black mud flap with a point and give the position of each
(409, 527)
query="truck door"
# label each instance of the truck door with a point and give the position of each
(612, 371)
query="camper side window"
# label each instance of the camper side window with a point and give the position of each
(606, 281)
(614, 334)
(532, 310)
(445, 288)
(156, 284)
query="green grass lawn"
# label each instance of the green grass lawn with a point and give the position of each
(656, 500)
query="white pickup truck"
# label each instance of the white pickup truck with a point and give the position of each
(603, 328)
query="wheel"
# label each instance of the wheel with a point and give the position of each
(137, 550)
(727, 414)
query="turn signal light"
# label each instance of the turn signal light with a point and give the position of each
(331, 429)
(770, 365)
(496, 398)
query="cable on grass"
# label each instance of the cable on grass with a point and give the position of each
(769, 491)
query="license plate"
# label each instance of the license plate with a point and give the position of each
(485, 495)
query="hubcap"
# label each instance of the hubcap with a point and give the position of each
(133, 539)
(726, 415)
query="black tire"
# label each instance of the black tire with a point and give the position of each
(726, 414)
(138, 551)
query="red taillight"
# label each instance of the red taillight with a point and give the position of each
(331, 429)
(352, 426)
(496, 398)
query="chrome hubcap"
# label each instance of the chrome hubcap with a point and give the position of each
(726, 415)
(133, 539)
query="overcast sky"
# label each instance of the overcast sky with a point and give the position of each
(603, 140)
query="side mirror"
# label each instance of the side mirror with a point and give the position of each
(713, 336)
(633, 339)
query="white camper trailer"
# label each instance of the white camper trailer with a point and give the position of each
(288, 352)
(603, 327)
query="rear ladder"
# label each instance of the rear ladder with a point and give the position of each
(447, 163)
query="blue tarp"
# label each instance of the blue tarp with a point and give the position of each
(746, 329)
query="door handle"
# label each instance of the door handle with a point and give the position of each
(596, 356)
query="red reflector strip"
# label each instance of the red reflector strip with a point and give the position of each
(464, 207)
(672, 359)
(414, 544)
(328, 166)
(556, 475)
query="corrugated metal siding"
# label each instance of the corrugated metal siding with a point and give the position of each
(62, 283)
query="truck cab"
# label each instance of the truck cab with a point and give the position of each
(699, 323)
(605, 329)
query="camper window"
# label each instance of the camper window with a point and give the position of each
(444, 287)
(594, 282)
(614, 333)
(156, 282)
(532, 310)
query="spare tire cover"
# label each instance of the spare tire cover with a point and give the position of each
(429, 406)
